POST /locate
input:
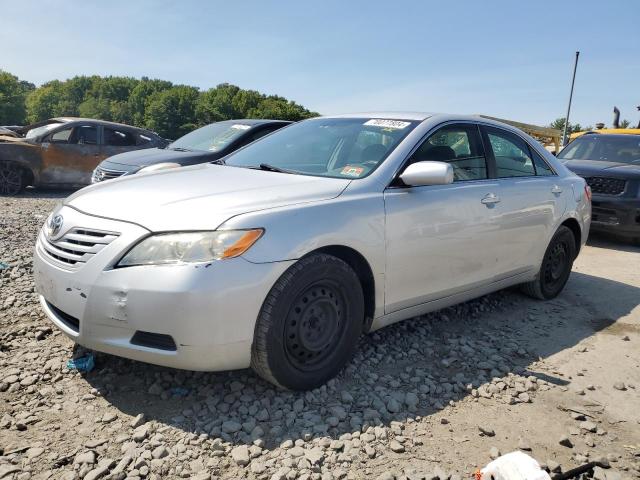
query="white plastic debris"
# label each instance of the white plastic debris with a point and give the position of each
(513, 466)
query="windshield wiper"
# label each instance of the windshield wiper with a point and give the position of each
(271, 168)
(179, 149)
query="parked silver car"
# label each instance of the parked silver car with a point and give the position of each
(282, 256)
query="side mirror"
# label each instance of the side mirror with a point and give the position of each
(427, 173)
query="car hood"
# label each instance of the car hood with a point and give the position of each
(201, 197)
(586, 168)
(150, 156)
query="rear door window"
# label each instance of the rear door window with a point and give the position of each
(118, 138)
(542, 167)
(511, 154)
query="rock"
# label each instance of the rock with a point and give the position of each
(411, 400)
(524, 445)
(393, 406)
(96, 473)
(140, 433)
(240, 455)
(35, 452)
(296, 451)
(231, 427)
(588, 426)
(620, 386)
(444, 421)
(396, 446)
(494, 453)
(160, 452)
(486, 430)
(315, 456)
(565, 442)
(258, 467)
(6, 470)
(85, 457)
(137, 420)
(109, 417)
(387, 476)
(553, 466)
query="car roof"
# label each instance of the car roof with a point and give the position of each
(607, 135)
(104, 123)
(391, 115)
(421, 116)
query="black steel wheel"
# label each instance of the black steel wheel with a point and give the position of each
(309, 323)
(315, 325)
(556, 266)
(12, 179)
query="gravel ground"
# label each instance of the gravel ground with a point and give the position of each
(430, 398)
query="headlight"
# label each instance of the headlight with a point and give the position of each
(190, 247)
(159, 166)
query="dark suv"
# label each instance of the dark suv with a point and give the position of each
(611, 166)
(205, 144)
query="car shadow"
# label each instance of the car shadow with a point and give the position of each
(609, 241)
(410, 369)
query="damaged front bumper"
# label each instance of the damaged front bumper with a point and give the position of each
(196, 316)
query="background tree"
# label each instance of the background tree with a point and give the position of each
(172, 113)
(558, 124)
(13, 92)
(171, 110)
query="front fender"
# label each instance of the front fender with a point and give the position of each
(355, 221)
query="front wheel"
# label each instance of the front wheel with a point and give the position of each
(13, 179)
(556, 266)
(309, 323)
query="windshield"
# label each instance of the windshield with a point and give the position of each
(606, 148)
(327, 147)
(36, 132)
(210, 138)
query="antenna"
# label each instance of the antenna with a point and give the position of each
(566, 120)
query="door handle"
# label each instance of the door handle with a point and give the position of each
(490, 199)
(556, 189)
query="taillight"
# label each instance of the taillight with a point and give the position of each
(587, 192)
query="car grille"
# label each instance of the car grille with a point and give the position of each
(77, 246)
(100, 174)
(606, 186)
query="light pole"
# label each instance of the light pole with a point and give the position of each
(566, 120)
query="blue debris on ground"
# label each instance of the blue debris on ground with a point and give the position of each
(82, 364)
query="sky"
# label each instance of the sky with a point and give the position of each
(509, 59)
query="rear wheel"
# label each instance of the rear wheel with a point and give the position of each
(309, 323)
(13, 179)
(556, 266)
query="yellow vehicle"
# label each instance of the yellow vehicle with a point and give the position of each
(610, 131)
(605, 131)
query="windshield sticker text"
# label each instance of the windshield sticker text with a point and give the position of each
(395, 124)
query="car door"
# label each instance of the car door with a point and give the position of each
(117, 140)
(69, 155)
(442, 239)
(531, 197)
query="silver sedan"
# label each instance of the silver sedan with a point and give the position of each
(280, 256)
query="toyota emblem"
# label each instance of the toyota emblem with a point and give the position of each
(54, 225)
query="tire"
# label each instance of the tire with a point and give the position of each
(13, 179)
(556, 266)
(309, 323)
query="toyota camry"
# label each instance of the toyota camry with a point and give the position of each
(282, 254)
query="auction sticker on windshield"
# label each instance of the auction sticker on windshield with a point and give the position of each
(352, 171)
(239, 126)
(397, 124)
